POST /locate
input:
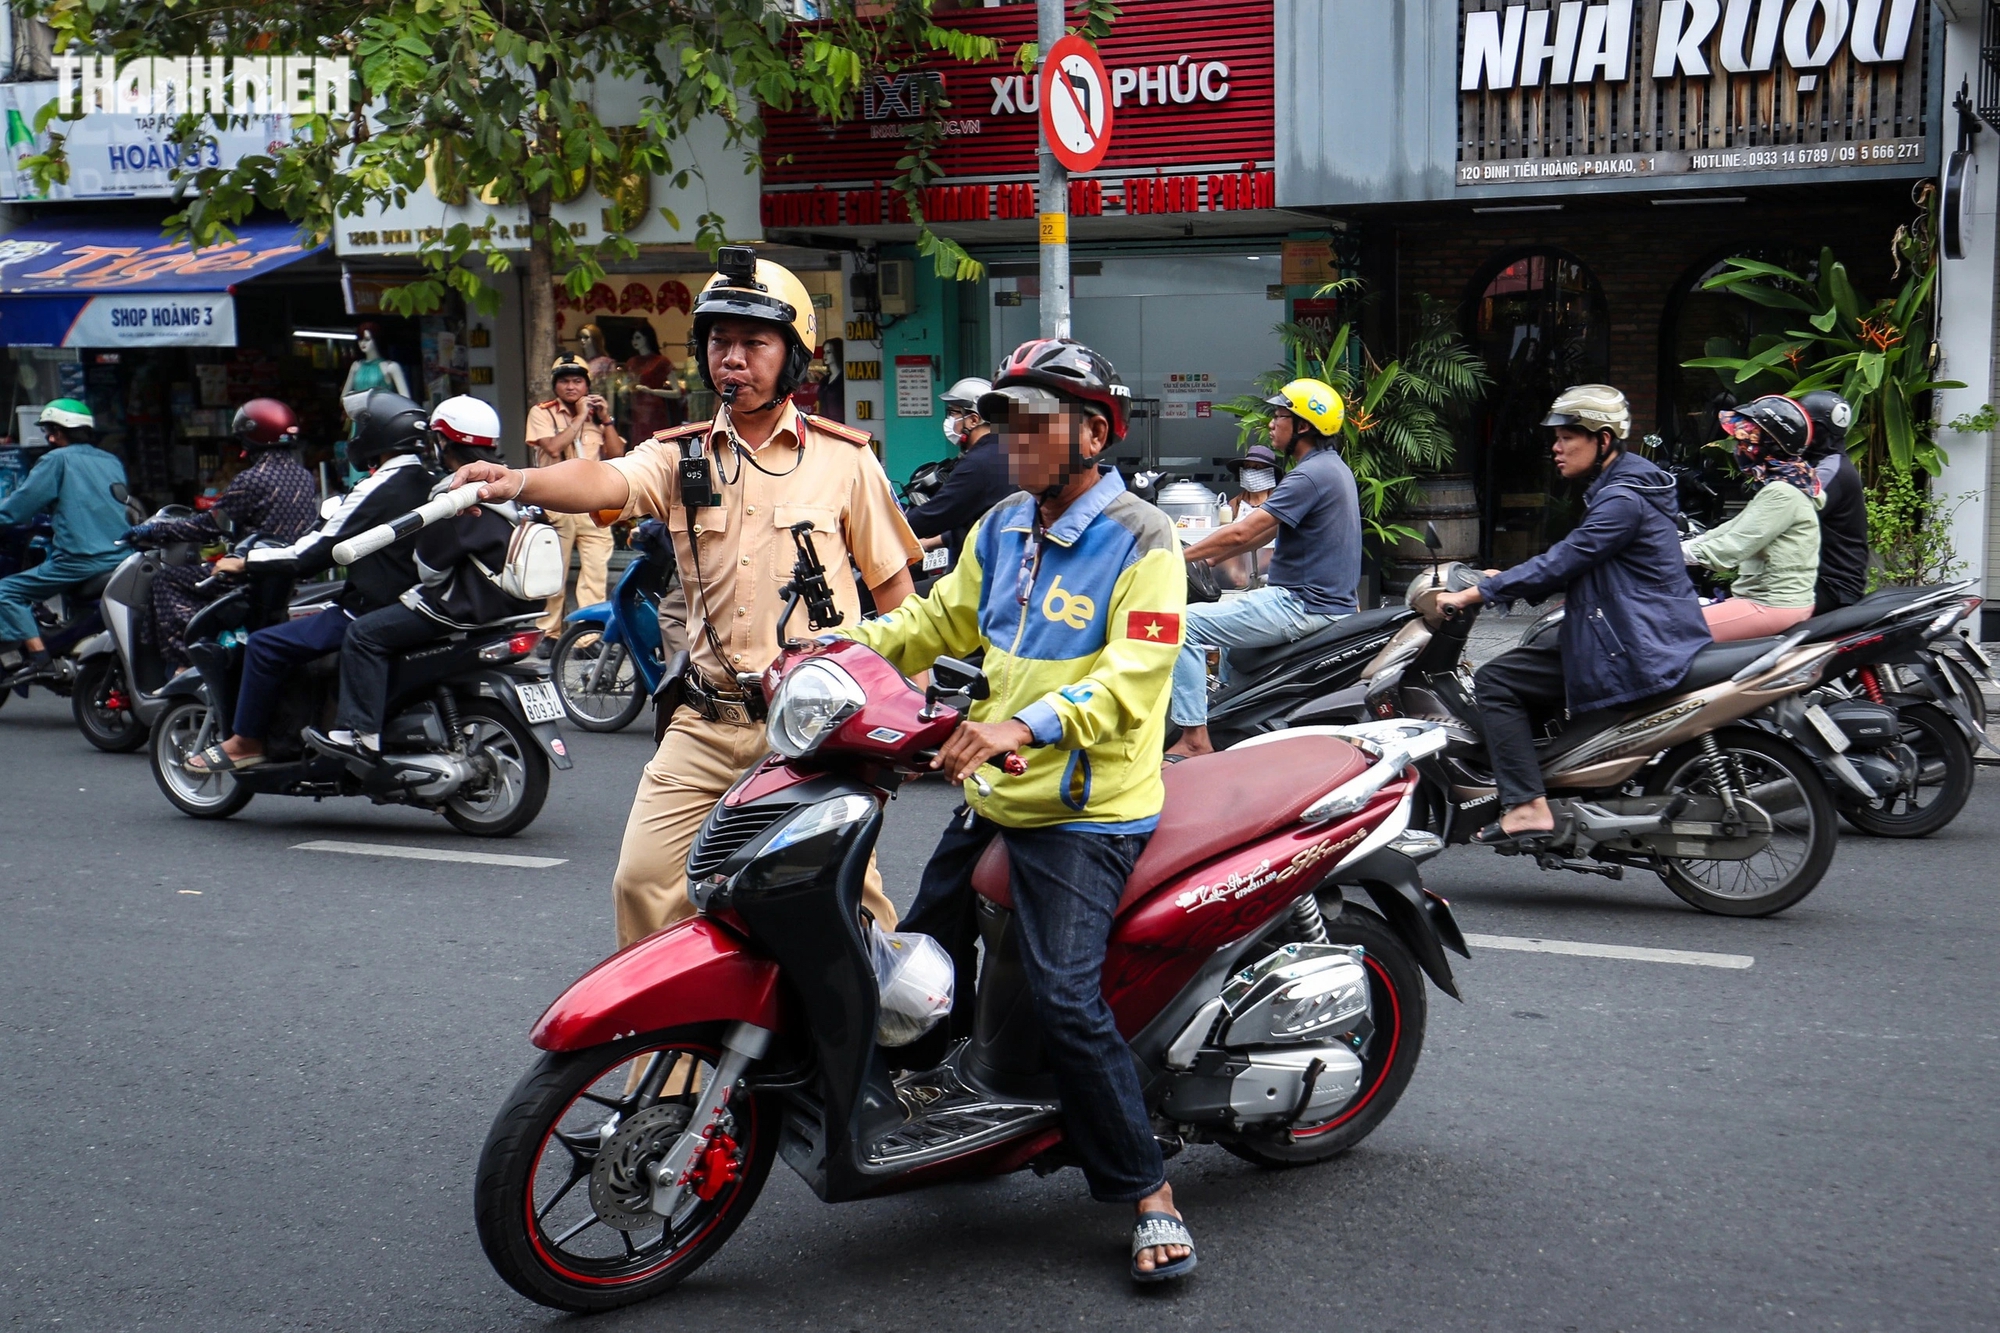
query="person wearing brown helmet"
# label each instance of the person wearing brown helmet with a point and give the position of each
(765, 467)
(274, 495)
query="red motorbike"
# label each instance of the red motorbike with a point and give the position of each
(1269, 1013)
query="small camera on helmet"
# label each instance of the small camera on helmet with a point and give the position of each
(737, 264)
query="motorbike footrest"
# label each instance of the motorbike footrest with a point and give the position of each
(1556, 861)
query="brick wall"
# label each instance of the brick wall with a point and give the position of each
(1639, 252)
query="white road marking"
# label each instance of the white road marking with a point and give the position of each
(431, 854)
(1632, 953)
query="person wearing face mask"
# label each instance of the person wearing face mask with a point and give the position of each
(1257, 470)
(1314, 515)
(974, 486)
(1773, 545)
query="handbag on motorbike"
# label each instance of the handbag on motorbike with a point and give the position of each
(533, 570)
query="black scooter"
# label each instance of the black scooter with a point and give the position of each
(471, 734)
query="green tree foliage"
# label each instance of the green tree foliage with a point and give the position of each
(493, 100)
(1402, 416)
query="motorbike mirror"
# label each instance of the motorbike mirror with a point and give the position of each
(955, 677)
(1431, 538)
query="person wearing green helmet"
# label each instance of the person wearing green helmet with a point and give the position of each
(82, 488)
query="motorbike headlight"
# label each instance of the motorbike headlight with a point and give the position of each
(815, 698)
(821, 818)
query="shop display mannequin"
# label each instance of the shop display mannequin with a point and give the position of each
(654, 390)
(600, 363)
(370, 371)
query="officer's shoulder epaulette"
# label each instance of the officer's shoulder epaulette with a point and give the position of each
(553, 402)
(839, 429)
(681, 432)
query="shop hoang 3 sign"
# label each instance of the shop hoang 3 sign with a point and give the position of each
(1556, 90)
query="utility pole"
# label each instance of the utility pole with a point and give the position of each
(1054, 200)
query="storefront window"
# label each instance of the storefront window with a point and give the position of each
(1700, 323)
(1539, 321)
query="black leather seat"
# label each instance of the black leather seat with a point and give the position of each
(1247, 662)
(93, 587)
(1851, 618)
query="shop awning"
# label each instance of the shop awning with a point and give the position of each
(103, 286)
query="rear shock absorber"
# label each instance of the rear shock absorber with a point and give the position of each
(448, 705)
(1871, 684)
(1307, 920)
(1718, 773)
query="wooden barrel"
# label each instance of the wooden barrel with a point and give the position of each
(1450, 505)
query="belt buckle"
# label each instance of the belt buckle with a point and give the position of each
(730, 711)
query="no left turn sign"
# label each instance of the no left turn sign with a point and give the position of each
(1076, 104)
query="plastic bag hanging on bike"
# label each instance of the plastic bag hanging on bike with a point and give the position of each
(914, 977)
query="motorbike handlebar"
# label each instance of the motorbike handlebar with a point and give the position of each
(388, 534)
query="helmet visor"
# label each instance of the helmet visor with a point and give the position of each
(724, 302)
(1739, 427)
(1569, 419)
(1022, 407)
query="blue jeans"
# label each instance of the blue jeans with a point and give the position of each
(1257, 619)
(59, 573)
(1066, 887)
(275, 650)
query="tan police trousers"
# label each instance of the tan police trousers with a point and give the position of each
(697, 762)
(593, 548)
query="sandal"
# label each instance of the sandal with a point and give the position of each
(1155, 1229)
(1527, 840)
(215, 760)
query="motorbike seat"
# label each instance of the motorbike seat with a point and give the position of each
(1711, 666)
(1248, 662)
(1215, 804)
(1869, 609)
(94, 585)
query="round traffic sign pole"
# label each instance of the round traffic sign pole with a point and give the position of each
(1075, 91)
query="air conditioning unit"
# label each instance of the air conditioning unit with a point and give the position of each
(897, 286)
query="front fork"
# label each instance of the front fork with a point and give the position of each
(674, 1174)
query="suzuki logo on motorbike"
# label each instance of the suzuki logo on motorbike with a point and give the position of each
(1246, 882)
(1067, 608)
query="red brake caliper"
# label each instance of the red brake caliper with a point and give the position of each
(718, 1164)
(115, 701)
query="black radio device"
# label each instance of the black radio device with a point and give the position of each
(697, 480)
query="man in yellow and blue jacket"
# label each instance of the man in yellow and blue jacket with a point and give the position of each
(1075, 590)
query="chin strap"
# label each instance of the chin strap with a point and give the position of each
(729, 399)
(1074, 468)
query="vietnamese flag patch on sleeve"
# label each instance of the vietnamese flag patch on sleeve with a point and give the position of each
(1153, 627)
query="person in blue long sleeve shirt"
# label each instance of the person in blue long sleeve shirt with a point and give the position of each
(83, 489)
(1631, 624)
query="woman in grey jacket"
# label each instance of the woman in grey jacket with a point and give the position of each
(1773, 545)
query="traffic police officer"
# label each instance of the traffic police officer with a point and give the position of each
(576, 423)
(770, 466)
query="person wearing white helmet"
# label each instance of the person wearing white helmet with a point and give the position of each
(457, 561)
(82, 487)
(976, 484)
(1631, 626)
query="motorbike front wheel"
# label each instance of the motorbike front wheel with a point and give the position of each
(186, 728)
(597, 682)
(101, 703)
(562, 1199)
(1397, 1010)
(512, 794)
(1944, 780)
(1786, 786)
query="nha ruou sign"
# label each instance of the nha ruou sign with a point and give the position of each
(1570, 90)
(1575, 42)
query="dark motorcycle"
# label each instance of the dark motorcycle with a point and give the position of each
(472, 724)
(65, 627)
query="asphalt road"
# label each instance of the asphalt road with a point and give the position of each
(244, 1088)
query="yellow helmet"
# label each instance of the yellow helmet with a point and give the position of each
(1591, 407)
(1312, 401)
(746, 287)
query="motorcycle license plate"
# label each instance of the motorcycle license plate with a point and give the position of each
(1830, 730)
(539, 702)
(936, 558)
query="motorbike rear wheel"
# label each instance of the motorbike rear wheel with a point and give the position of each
(597, 683)
(1946, 774)
(513, 796)
(560, 1198)
(101, 703)
(185, 728)
(1787, 786)
(1398, 1007)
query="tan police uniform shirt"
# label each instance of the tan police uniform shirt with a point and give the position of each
(809, 469)
(550, 419)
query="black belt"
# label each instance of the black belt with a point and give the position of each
(736, 708)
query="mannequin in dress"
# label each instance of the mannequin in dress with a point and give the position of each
(654, 390)
(600, 363)
(370, 371)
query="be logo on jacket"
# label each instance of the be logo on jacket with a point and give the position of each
(1081, 625)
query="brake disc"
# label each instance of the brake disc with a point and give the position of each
(621, 1192)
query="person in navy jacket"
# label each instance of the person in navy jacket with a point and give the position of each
(1631, 624)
